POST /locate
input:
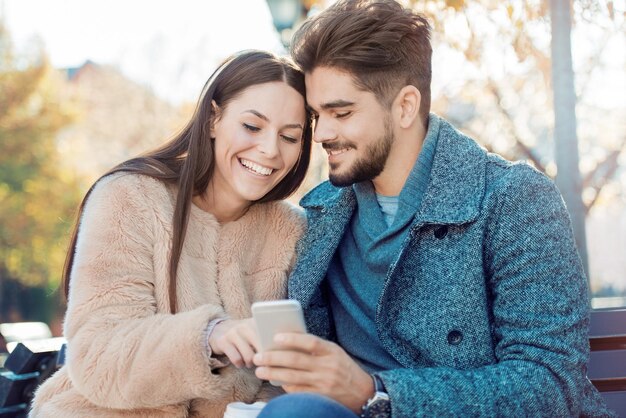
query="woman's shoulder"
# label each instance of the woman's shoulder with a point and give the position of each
(133, 188)
(128, 201)
(130, 182)
(129, 198)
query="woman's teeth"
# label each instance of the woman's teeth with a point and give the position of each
(256, 168)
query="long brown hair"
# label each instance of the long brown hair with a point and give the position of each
(383, 45)
(187, 160)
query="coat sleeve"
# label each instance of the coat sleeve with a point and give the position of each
(539, 300)
(121, 352)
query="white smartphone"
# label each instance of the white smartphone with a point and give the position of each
(276, 316)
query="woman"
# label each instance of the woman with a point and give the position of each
(171, 249)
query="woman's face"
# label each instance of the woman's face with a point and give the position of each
(258, 138)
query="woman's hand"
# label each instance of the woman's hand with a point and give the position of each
(237, 339)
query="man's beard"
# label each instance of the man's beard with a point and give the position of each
(369, 166)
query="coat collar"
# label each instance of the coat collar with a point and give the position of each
(454, 193)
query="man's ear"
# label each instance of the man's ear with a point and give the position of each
(407, 106)
(215, 116)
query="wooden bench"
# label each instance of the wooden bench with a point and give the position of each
(607, 363)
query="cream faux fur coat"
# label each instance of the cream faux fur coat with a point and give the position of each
(127, 355)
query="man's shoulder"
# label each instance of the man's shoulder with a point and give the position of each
(498, 169)
(503, 173)
(517, 184)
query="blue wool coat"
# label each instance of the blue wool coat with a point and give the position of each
(485, 305)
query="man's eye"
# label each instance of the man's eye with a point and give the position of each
(342, 114)
(251, 128)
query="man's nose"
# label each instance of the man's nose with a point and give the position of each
(324, 130)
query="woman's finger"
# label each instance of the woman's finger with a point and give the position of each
(250, 333)
(233, 355)
(245, 349)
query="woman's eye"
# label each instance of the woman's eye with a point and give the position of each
(251, 128)
(290, 139)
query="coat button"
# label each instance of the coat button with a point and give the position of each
(441, 232)
(455, 337)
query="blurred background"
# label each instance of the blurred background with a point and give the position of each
(85, 85)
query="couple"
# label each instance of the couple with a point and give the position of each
(436, 279)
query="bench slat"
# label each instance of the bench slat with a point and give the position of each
(614, 384)
(609, 342)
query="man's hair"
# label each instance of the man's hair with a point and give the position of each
(383, 45)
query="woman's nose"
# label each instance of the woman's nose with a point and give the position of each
(268, 145)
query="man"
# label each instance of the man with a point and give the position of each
(437, 279)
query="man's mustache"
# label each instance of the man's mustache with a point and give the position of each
(334, 146)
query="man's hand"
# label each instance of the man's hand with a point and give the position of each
(237, 339)
(306, 363)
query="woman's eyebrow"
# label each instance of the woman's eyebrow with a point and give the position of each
(265, 118)
(257, 113)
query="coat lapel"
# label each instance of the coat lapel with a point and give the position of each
(457, 182)
(329, 210)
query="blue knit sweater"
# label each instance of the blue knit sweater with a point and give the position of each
(358, 271)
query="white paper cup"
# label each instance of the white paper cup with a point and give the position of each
(243, 410)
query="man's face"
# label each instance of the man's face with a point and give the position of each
(352, 126)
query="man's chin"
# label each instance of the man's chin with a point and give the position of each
(339, 180)
(356, 173)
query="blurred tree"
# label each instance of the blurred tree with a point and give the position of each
(565, 137)
(37, 198)
(119, 119)
(498, 56)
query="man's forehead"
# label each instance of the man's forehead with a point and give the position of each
(325, 75)
(331, 87)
